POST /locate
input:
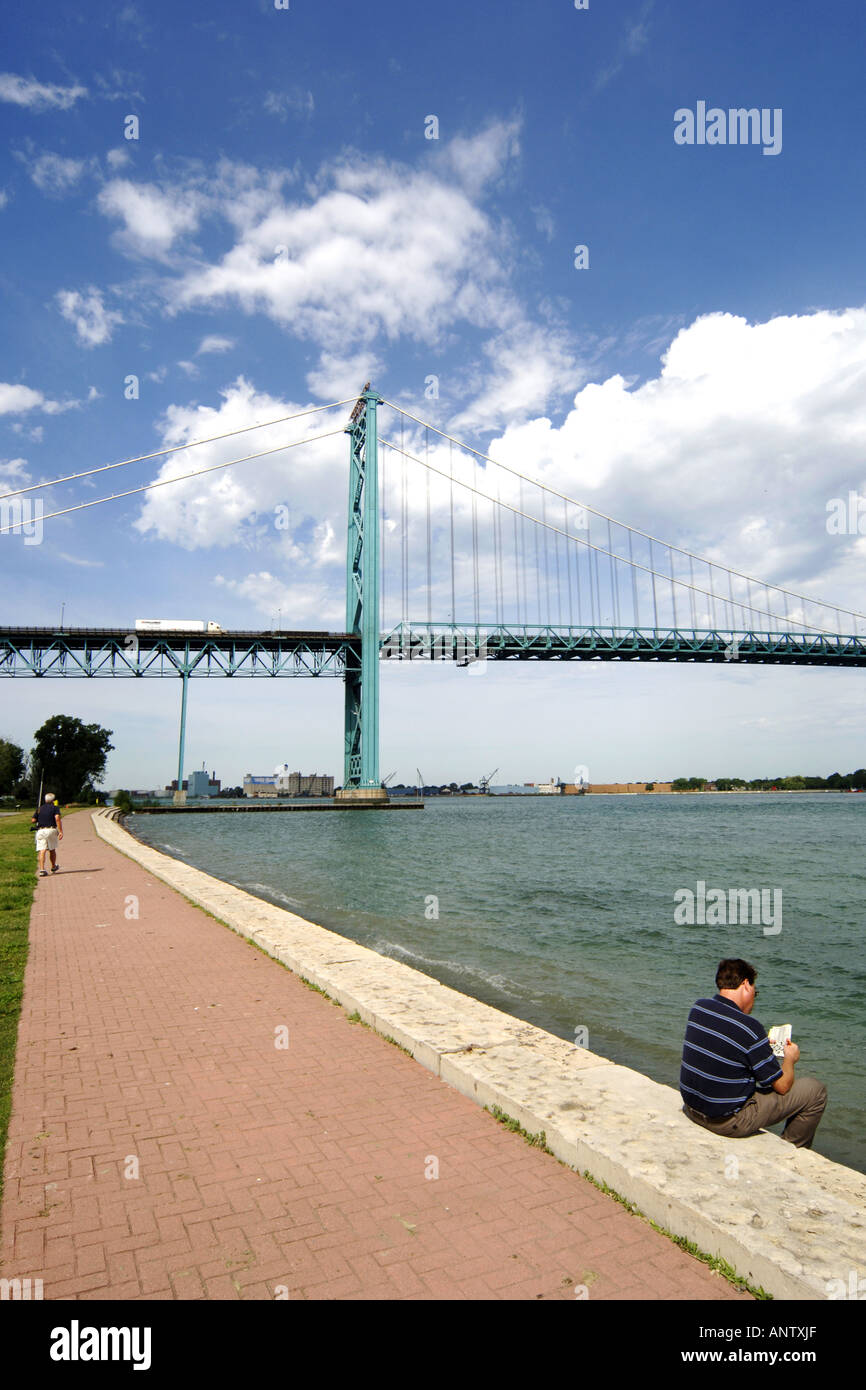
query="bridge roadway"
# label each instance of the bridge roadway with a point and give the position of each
(112, 652)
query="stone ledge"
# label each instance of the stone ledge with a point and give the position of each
(789, 1221)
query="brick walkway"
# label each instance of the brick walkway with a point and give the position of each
(163, 1147)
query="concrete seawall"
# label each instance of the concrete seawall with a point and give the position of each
(786, 1219)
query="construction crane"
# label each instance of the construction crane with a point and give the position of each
(387, 779)
(484, 784)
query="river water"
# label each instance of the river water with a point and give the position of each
(576, 912)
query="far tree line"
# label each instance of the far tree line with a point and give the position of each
(67, 758)
(836, 782)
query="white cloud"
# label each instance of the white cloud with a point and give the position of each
(479, 159)
(733, 450)
(305, 605)
(117, 158)
(93, 323)
(77, 560)
(372, 253)
(17, 400)
(382, 252)
(527, 367)
(55, 174)
(337, 377)
(38, 96)
(544, 222)
(14, 400)
(34, 432)
(4, 197)
(189, 368)
(214, 343)
(13, 473)
(634, 40)
(236, 506)
(152, 218)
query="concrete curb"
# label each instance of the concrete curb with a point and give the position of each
(788, 1220)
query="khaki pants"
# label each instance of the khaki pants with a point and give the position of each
(802, 1107)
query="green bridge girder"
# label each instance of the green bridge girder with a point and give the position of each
(470, 643)
(98, 653)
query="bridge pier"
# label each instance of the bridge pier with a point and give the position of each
(362, 796)
(180, 794)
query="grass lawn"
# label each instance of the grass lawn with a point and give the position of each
(17, 882)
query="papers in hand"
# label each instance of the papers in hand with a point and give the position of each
(778, 1036)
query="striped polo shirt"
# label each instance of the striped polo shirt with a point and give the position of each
(726, 1058)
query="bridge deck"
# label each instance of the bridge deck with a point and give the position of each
(111, 652)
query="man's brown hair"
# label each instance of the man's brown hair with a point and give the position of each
(732, 973)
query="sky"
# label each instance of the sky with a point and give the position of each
(217, 216)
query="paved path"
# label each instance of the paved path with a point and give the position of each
(163, 1147)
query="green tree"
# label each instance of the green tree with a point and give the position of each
(12, 761)
(69, 756)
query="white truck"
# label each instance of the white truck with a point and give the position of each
(175, 625)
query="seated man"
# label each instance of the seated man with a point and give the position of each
(730, 1080)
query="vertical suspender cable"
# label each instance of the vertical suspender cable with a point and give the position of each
(523, 555)
(636, 622)
(577, 557)
(451, 470)
(544, 534)
(497, 547)
(593, 590)
(475, 539)
(404, 557)
(429, 585)
(558, 584)
(567, 561)
(614, 577)
(516, 569)
(673, 590)
(537, 573)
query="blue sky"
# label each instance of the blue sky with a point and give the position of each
(281, 230)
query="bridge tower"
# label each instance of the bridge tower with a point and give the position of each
(361, 782)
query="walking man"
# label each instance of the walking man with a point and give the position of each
(730, 1081)
(49, 829)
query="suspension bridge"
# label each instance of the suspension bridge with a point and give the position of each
(523, 572)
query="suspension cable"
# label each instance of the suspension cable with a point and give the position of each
(175, 448)
(182, 477)
(655, 574)
(821, 603)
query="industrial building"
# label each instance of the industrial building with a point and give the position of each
(285, 783)
(197, 784)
